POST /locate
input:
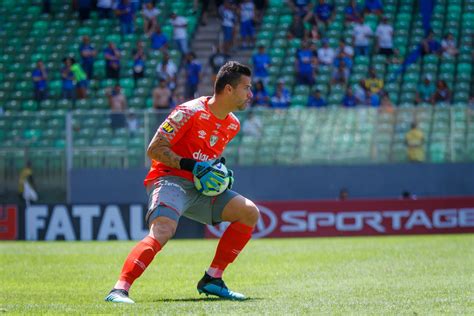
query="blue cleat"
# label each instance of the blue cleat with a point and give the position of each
(119, 296)
(216, 286)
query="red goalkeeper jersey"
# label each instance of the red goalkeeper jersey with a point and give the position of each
(194, 132)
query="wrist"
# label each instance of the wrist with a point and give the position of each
(187, 164)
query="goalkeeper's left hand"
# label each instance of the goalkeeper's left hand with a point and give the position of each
(230, 174)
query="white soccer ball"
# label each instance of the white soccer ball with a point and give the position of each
(220, 170)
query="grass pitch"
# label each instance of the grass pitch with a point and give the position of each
(364, 276)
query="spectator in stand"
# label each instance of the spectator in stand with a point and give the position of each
(349, 100)
(322, 12)
(297, 29)
(193, 72)
(88, 53)
(442, 94)
(426, 91)
(260, 95)
(260, 7)
(430, 45)
(304, 68)
(261, 63)
(373, 99)
(340, 74)
(346, 50)
(316, 100)
(415, 142)
(126, 17)
(385, 103)
(133, 124)
(167, 70)
(149, 13)
(118, 107)
(139, 58)
(252, 126)
(158, 39)
(112, 61)
(360, 92)
(247, 29)
(374, 7)
(84, 7)
(228, 17)
(27, 189)
(282, 97)
(352, 12)
(161, 96)
(396, 58)
(80, 77)
(341, 57)
(40, 81)
(180, 32)
(67, 80)
(313, 34)
(217, 60)
(300, 7)
(105, 8)
(373, 84)
(326, 54)
(384, 33)
(448, 45)
(362, 34)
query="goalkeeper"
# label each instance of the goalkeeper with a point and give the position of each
(188, 143)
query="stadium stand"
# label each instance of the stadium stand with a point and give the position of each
(298, 135)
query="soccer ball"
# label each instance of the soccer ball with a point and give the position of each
(220, 170)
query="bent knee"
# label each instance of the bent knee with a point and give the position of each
(163, 229)
(251, 214)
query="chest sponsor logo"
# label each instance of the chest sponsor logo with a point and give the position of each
(213, 140)
(232, 126)
(204, 116)
(167, 128)
(202, 134)
(177, 116)
(199, 155)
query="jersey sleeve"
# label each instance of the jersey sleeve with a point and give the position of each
(176, 124)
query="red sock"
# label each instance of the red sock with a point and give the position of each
(231, 243)
(137, 261)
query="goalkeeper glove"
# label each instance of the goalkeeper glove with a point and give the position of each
(202, 170)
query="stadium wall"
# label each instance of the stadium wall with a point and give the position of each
(271, 183)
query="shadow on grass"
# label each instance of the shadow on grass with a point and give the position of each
(203, 299)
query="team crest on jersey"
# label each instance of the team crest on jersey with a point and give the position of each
(167, 127)
(213, 140)
(177, 116)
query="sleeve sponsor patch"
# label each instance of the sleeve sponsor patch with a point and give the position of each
(177, 116)
(167, 127)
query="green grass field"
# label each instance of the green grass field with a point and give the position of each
(407, 275)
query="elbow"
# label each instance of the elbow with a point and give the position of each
(151, 152)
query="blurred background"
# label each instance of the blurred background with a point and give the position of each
(363, 99)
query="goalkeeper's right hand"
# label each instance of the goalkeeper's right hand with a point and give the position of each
(205, 172)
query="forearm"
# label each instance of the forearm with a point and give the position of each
(164, 155)
(160, 150)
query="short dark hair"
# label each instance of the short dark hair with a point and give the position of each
(230, 73)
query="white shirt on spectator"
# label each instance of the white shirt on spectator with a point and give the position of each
(362, 33)
(326, 55)
(150, 14)
(168, 72)
(384, 34)
(247, 11)
(348, 51)
(180, 24)
(105, 4)
(449, 48)
(228, 17)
